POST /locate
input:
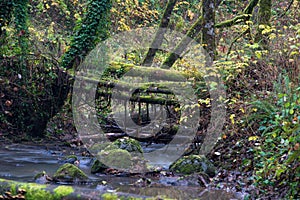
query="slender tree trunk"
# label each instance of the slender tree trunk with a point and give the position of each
(250, 6)
(159, 36)
(208, 31)
(264, 16)
(192, 33)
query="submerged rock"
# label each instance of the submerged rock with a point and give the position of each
(69, 173)
(193, 164)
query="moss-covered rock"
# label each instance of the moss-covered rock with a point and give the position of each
(128, 144)
(69, 173)
(98, 167)
(193, 164)
(96, 148)
(116, 158)
(70, 159)
(18, 190)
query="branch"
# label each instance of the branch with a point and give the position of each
(235, 39)
(238, 19)
(235, 20)
(289, 6)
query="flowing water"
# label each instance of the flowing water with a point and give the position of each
(22, 162)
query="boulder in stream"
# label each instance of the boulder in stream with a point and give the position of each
(193, 164)
(116, 158)
(128, 144)
(69, 173)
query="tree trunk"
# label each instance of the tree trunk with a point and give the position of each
(34, 101)
(192, 33)
(159, 36)
(264, 15)
(94, 27)
(208, 31)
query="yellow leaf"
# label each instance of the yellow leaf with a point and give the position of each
(232, 118)
(190, 14)
(253, 138)
(258, 54)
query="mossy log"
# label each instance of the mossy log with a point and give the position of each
(119, 69)
(157, 91)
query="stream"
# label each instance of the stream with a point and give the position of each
(21, 162)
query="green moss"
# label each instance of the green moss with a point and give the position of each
(39, 175)
(116, 158)
(72, 157)
(36, 191)
(193, 164)
(99, 147)
(98, 167)
(129, 144)
(69, 173)
(33, 191)
(109, 196)
(110, 147)
(63, 190)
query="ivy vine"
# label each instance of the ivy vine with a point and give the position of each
(21, 23)
(93, 28)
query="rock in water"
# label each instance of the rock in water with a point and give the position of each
(98, 167)
(193, 164)
(128, 144)
(69, 173)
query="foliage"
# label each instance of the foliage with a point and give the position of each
(93, 28)
(278, 154)
(128, 14)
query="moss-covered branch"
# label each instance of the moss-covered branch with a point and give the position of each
(118, 69)
(230, 22)
(240, 18)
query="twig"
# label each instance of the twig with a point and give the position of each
(235, 39)
(289, 6)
